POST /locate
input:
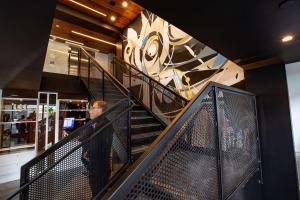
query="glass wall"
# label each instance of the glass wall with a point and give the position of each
(18, 123)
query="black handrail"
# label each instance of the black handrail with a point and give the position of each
(59, 144)
(100, 68)
(152, 79)
(70, 136)
(164, 87)
(136, 170)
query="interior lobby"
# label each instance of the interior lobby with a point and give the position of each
(196, 100)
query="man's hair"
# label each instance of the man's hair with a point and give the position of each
(99, 104)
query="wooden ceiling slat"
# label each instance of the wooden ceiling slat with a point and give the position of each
(64, 31)
(124, 16)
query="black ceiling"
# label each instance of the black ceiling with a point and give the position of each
(239, 29)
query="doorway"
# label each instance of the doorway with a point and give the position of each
(48, 120)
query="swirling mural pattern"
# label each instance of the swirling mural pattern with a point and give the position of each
(174, 58)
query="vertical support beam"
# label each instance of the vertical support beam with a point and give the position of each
(37, 116)
(47, 124)
(218, 144)
(258, 142)
(56, 121)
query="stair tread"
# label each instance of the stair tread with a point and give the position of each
(145, 125)
(145, 135)
(141, 117)
(138, 111)
(139, 149)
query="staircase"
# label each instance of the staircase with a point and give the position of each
(207, 152)
(145, 127)
(144, 130)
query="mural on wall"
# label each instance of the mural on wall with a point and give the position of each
(174, 58)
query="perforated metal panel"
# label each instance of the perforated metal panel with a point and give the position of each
(79, 162)
(214, 151)
(238, 136)
(187, 166)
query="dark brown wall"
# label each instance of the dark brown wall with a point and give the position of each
(278, 157)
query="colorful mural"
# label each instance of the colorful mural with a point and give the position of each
(174, 58)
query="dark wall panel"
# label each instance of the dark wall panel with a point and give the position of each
(68, 87)
(25, 28)
(279, 165)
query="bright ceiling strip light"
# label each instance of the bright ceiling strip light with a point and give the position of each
(67, 40)
(93, 38)
(86, 7)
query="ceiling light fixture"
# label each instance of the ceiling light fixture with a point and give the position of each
(66, 40)
(125, 4)
(91, 9)
(287, 38)
(112, 18)
(93, 38)
(57, 26)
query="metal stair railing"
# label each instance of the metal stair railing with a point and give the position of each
(159, 99)
(97, 80)
(211, 150)
(61, 173)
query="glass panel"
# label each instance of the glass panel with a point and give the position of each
(17, 125)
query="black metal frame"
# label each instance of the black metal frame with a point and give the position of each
(129, 68)
(23, 190)
(122, 63)
(135, 171)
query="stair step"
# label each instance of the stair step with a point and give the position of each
(142, 128)
(139, 113)
(144, 138)
(138, 107)
(142, 119)
(139, 149)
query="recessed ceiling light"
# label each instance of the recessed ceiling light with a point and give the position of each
(57, 26)
(287, 38)
(93, 38)
(86, 7)
(124, 4)
(113, 18)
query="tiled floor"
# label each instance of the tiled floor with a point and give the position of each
(6, 189)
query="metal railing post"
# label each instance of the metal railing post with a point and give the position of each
(129, 131)
(259, 150)
(69, 63)
(103, 82)
(78, 62)
(89, 71)
(129, 77)
(218, 144)
(150, 94)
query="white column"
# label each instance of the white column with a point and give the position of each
(56, 120)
